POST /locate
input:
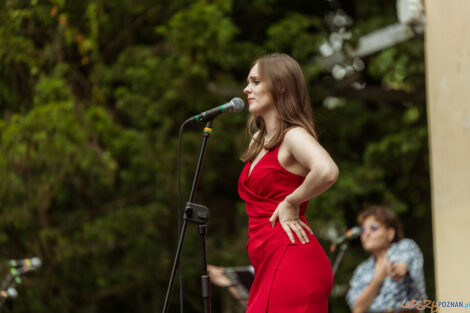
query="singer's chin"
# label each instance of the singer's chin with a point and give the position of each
(256, 111)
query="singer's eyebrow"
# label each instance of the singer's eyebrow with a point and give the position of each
(253, 77)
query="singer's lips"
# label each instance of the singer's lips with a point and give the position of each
(250, 99)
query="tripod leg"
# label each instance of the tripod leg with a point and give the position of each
(175, 266)
(205, 280)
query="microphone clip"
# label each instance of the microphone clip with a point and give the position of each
(196, 213)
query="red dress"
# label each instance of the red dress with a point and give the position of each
(289, 277)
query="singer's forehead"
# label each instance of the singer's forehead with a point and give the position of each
(253, 73)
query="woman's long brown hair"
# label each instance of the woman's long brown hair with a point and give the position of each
(286, 83)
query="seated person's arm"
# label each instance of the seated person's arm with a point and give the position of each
(366, 297)
(218, 277)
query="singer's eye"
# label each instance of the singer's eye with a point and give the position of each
(253, 79)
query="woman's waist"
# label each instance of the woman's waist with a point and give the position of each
(263, 220)
(257, 199)
(260, 229)
(260, 211)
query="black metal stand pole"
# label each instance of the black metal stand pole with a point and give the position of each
(205, 280)
(11, 281)
(197, 214)
(339, 257)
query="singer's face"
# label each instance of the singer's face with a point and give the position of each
(259, 97)
(375, 236)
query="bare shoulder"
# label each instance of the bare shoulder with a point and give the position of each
(306, 150)
(303, 153)
(298, 136)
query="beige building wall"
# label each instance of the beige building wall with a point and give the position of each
(448, 98)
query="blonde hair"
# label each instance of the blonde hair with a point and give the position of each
(286, 84)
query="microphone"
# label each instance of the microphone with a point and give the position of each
(351, 234)
(9, 293)
(34, 263)
(235, 105)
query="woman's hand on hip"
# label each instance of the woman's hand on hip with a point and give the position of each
(288, 216)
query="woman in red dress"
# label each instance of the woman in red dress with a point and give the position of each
(285, 167)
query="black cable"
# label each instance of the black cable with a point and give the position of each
(180, 270)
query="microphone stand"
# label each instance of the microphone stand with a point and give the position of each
(339, 257)
(199, 215)
(13, 275)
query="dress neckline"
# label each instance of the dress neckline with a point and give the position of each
(276, 149)
(254, 166)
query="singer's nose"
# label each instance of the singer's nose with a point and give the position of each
(247, 89)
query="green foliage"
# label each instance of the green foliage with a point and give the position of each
(400, 69)
(300, 27)
(92, 95)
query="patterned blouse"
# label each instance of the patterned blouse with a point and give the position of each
(392, 293)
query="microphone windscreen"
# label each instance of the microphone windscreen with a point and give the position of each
(355, 231)
(238, 104)
(36, 262)
(12, 293)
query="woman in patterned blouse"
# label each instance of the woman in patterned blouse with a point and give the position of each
(393, 274)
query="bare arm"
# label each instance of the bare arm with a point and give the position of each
(365, 299)
(322, 170)
(218, 277)
(322, 173)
